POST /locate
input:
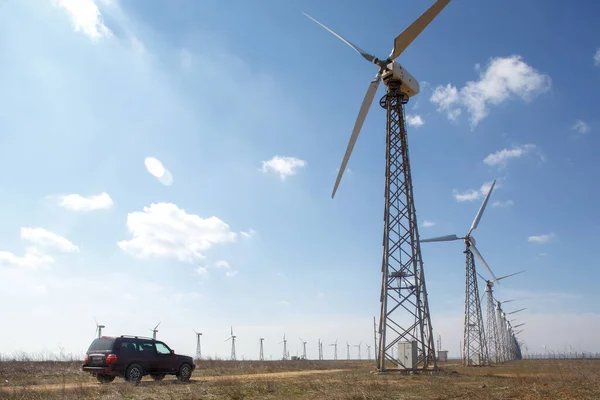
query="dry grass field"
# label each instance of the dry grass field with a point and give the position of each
(527, 379)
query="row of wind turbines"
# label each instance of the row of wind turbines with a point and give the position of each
(496, 342)
(286, 353)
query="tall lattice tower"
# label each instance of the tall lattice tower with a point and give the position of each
(491, 326)
(198, 346)
(404, 318)
(261, 355)
(475, 349)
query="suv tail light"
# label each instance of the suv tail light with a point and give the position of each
(85, 360)
(111, 358)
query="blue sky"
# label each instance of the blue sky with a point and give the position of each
(250, 108)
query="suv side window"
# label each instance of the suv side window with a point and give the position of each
(128, 346)
(146, 347)
(162, 348)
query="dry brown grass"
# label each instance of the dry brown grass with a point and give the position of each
(527, 379)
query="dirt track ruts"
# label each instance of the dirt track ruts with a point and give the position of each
(199, 379)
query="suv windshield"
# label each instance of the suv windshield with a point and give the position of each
(102, 344)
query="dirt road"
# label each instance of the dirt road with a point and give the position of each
(196, 380)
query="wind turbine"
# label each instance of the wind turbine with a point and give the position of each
(303, 349)
(475, 345)
(347, 350)
(154, 330)
(358, 345)
(368, 351)
(320, 345)
(99, 327)
(334, 349)
(232, 338)
(261, 356)
(403, 278)
(491, 323)
(284, 341)
(198, 346)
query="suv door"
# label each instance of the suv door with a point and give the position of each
(166, 361)
(147, 354)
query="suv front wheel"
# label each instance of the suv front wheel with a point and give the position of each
(185, 373)
(134, 373)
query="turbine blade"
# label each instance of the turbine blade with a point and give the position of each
(478, 255)
(481, 209)
(486, 281)
(508, 276)
(157, 325)
(362, 114)
(446, 238)
(404, 39)
(519, 310)
(360, 51)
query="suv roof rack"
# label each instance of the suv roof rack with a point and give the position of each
(137, 337)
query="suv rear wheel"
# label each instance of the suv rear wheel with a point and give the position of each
(134, 373)
(185, 373)
(105, 378)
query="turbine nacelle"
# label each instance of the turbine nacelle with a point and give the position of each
(408, 83)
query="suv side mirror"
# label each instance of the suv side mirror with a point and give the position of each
(172, 351)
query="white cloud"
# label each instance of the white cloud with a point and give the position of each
(40, 237)
(165, 230)
(504, 77)
(85, 17)
(284, 166)
(597, 57)
(580, 127)
(202, 271)
(222, 264)
(501, 157)
(249, 234)
(542, 254)
(32, 259)
(472, 195)
(507, 203)
(231, 274)
(284, 302)
(414, 120)
(321, 294)
(157, 170)
(541, 239)
(77, 202)
(428, 224)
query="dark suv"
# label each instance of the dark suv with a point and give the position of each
(132, 357)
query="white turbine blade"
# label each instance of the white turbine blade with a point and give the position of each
(508, 276)
(478, 255)
(446, 238)
(157, 325)
(362, 114)
(481, 209)
(360, 51)
(404, 39)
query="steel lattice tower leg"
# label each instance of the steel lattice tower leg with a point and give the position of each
(404, 307)
(492, 328)
(474, 340)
